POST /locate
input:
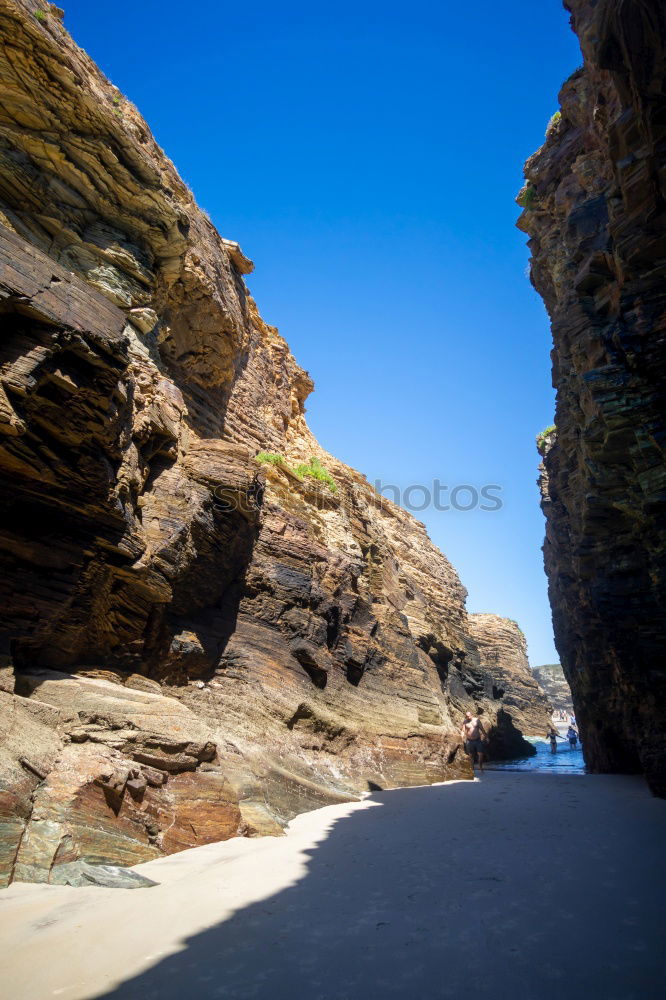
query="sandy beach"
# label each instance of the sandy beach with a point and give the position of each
(521, 885)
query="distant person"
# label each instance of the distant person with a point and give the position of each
(552, 736)
(473, 735)
(572, 736)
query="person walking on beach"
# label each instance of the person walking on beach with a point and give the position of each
(473, 735)
(572, 736)
(552, 735)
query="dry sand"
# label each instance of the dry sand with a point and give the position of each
(524, 886)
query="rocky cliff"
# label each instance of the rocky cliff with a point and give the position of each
(197, 644)
(550, 678)
(595, 210)
(515, 704)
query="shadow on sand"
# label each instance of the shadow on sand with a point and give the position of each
(525, 886)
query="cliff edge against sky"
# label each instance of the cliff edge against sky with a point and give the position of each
(595, 211)
(196, 645)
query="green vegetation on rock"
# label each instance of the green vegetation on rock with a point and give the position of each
(527, 197)
(40, 15)
(315, 470)
(554, 121)
(270, 458)
(542, 438)
(312, 469)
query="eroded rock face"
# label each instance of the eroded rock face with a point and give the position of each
(198, 646)
(596, 218)
(513, 703)
(551, 679)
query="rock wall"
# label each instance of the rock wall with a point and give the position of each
(514, 705)
(550, 678)
(595, 210)
(195, 645)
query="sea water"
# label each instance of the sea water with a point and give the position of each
(564, 761)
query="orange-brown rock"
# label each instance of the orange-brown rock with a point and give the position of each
(215, 645)
(514, 705)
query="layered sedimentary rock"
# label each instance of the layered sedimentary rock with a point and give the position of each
(196, 645)
(596, 214)
(552, 681)
(514, 705)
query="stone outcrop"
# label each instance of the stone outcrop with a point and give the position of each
(595, 210)
(513, 704)
(197, 645)
(550, 678)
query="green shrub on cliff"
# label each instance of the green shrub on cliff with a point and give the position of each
(315, 470)
(555, 120)
(312, 469)
(270, 458)
(527, 196)
(40, 15)
(542, 438)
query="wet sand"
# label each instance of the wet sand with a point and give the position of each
(525, 886)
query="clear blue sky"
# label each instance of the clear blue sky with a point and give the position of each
(366, 155)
